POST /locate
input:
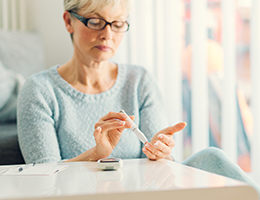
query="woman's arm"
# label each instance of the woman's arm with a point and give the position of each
(38, 119)
(36, 114)
(153, 121)
(107, 133)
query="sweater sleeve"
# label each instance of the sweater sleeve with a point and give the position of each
(152, 112)
(36, 125)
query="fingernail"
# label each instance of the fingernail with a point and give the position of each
(144, 149)
(121, 123)
(156, 143)
(147, 145)
(160, 136)
(98, 128)
(128, 123)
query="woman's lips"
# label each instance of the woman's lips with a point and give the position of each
(103, 48)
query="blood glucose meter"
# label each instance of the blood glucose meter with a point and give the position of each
(109, 163)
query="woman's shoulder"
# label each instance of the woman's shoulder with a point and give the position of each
(139, 77)
(134, 68)
(39, 82)
(41, 78)
(135, 71)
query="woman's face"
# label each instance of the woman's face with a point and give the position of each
(97, 45)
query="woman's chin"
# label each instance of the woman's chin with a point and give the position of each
(103, 57)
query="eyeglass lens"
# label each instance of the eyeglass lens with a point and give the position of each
(98, 24)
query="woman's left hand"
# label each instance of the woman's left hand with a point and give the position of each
(162, 142)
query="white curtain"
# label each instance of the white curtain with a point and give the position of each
(155, 41)
(13, 15)
(255, 71)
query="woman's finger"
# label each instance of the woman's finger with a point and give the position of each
(101, 123)
(149, 154)
(127, 124)
(112, 125)
(173, 129)
(132, 117)
(97, 132)
(166, 150)
(114, 115)
(154, 150)
(168, 140)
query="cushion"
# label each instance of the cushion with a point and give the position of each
(10, 84)
(7, 84)
(21, 55)
(9, 148)
(22, 52)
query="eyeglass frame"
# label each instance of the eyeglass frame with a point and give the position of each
(85, 22)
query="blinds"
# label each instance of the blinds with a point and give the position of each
(13, 15)
(200, 134)
(156, 40)
(255, 71)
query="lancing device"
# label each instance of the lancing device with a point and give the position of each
(135, 129)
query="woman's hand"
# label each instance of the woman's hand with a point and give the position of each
(162, 142)
(108, 131)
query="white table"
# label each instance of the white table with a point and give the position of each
(137, 179)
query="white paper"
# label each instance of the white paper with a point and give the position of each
(36, 170)
(2, 171)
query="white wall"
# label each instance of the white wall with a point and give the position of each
(45, 17)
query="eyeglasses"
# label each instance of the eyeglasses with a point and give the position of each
(99, 24)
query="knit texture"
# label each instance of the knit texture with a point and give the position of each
(56, 121)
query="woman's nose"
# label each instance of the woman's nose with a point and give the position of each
(106, 33)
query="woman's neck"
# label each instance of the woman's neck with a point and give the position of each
(91, 78)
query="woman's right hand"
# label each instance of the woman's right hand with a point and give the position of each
(108, 132)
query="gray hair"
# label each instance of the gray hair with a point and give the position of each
(91, 6)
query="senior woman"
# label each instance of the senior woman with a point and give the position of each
(70, 112)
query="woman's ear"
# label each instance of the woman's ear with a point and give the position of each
(68, 22)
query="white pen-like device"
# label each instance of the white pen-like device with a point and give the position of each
(135, 129)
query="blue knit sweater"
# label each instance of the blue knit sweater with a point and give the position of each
(56, 121)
